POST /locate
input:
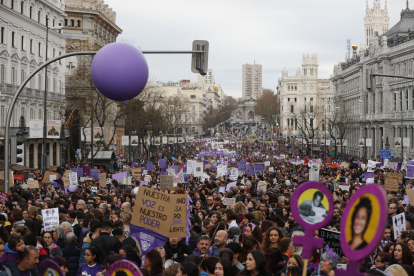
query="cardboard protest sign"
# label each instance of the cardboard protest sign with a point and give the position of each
(53, 168)
(233, 165)
(331, 239)
(32, 184)
(102, 180)
(50, 218)
(166, 182)
(229, 201)
(47, 179)
(165, 214)
(262, 186)
(397, 176)
(391, 184)
(136, 173)
(65, 178)
(11, 180)
(73, 178)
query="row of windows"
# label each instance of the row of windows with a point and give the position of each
(72, 23)
(296, 99)
(57, 86)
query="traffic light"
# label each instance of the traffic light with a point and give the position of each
(15, 150)
(199, 61)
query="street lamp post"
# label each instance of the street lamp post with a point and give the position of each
(45, 96)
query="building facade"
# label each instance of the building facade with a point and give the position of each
(252, 81)
(305, 100)
(22, 50)
(90, 25)
(376, 21)
(378, 110)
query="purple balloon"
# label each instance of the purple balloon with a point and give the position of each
(72, 188)
(119, 71)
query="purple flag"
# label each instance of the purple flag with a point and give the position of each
(147, 239)
(399, 167)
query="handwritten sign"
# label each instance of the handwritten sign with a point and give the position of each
(33, 184)
(102, 180)
(94, 189)
(332, 239)
(47, 178)
(397, 176)
(229, 201)
(136, 173)
(73, 178)
(147, 178)
(391, 184)
(50, 218)
(65, 178)
(165, 214)
(95, 173)
(166, 182)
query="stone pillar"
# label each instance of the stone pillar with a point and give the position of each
(35, 152)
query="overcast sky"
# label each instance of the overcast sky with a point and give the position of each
(274, 33)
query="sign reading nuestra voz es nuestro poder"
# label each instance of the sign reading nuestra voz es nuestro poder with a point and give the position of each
(162, 213)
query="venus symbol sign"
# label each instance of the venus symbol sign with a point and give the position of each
(119, 71)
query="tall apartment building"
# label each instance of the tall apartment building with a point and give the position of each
(252, 81)
(22, 50)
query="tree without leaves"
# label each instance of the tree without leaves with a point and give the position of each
(267, 106)
(216, 116)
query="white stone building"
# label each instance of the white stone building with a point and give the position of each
(304, 93)
(378, 111)
(376, 20)
(22, 49)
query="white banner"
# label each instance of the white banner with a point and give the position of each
(53, 129)
(73, 178)
(172, 140)
(36, 128)
(134, 141)
(180, 140)
(361, 142)
(406, 141)
(397, 142)
(157, 141)
(97, 134)
(369, 142)
(314, 172)
(164, 140)
(125, 140)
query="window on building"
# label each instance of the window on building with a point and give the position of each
(38, 16)
(72, 23)
(3, 117)
(12, 4)
(53, 23)
(40, 113)
(66, 22)
(311, 122)
(13, 40)
(40, 49)
(3, 35)
(288, 87)
(305, 72)
(23, 44)
(40, 82)
(311, 71)
(406, 100)
(54, 85)
(288, 122)
(30, 12)
(21, 7)
(3, 73)
(14, 76)
(54, 53)
(288, 99)
(395, 102)
(311, 99)
(60, 61)
(79, 23)
(296, 124)
(311, 108)
(31, 46)
(296, 88)
(22, 76)
(291, 108)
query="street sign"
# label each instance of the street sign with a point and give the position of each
(385, 153)
(121, 155)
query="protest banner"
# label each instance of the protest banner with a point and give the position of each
(397, 176)
(4, 197)
(232, 184)
(94, 189)
(165, 214)
(118, 176)
(229, 201)
(102, 180)
(222, 189)
(94, 173)
(262, 186)
(47, 179)
(32, 184)
(50, 218)
(391, 184)
(398, 223)
(331, 239)
(166, 182)
(79, 171)
(147, 178)
(73, 178)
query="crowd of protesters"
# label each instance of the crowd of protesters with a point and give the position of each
(252, 237)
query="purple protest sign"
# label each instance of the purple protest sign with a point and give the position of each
(78, 171)
(410, 162)
(133, 165)
(94, 173)
(393, 165)
(86, 170)
(118, 176)
(186, 178)
(259, 168)
(123, 267)
(162, 164)
(312, 207)
(175, 168)
(143, 183)
(369, 175)
(410, 172)
(242, 166)
(369, 202)
(150, 166)
(250, 169)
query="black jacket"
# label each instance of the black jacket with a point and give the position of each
(37, 227)
(177, 254)
(106, 244)
(72, 254)
(77, 230)
(293, 228)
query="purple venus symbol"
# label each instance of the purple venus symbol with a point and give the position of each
(119, 71)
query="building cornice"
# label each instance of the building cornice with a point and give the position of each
(96, 13)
